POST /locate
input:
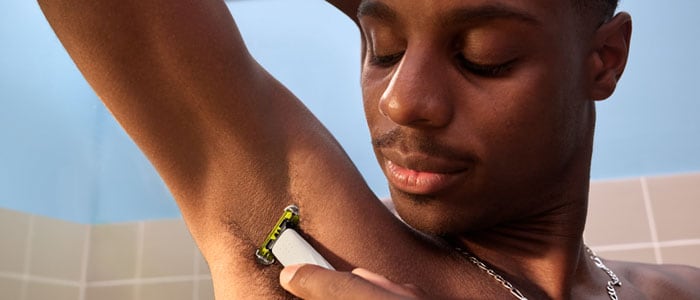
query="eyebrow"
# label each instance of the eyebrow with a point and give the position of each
(376, 10)
(482, 13)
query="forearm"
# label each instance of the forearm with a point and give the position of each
(156, 66)
(171, 72)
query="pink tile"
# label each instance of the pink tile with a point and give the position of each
(58, 249)
(44, 291)
(14, 232)
(676, 202)
(645, 255)
(682, 255)
(616, 213)
(168, 249)
(10, 288)
(166, 291)
(206, 289)
(113, 252)
(118, 292)
(203, 266)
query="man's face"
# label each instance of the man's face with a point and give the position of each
(477, 108)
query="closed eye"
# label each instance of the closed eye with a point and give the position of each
(485, 70)
(386, 60)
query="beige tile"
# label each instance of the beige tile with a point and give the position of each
(14, 231)
(637, 255)
(10, 288)
(206, 290)
(46, 291)
(119, 292)
(676, 203)
(168, 249)
(616, 213)
(57, 249)
(682, 255)
(113, 250)
(166, 291)
(203, 266)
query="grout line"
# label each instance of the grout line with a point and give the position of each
(652, 221)
(135, 281)
(39, 279)
(27, 258)
(10, 275)
(647, 245)
(680, 243)
(84, 262)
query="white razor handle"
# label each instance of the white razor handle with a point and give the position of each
(291, 249)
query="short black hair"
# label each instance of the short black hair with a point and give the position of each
(602, 10)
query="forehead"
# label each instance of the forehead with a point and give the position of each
(446, 12)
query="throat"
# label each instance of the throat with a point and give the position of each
(542, 259)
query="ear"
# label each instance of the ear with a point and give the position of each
(609, 57)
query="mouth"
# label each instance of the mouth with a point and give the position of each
(424, 176)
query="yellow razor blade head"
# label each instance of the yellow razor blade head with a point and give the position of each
(289, 219)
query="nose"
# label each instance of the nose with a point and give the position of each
(418, 93)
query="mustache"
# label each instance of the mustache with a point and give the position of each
(426, 144)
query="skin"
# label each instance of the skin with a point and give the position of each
(235, 147)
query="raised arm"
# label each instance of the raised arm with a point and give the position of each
(348, 7)
(178, 78)
(232, 144)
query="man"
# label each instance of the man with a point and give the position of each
(481, 114)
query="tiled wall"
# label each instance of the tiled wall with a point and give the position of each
(43, 258)
(146, 260)
(648, 219)
(651, 219)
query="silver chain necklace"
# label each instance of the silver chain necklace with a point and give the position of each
(614, 280)
(610, 288)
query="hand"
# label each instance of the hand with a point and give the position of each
(314, 282)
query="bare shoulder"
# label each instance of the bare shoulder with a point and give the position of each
(660, 281)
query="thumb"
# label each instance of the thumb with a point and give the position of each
(379, 280)
(314, 282)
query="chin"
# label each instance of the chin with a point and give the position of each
(440, 216)
(428, 214)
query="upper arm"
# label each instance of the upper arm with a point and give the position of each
(232, 144)
(178, 78)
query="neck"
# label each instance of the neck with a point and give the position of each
(543, 255)
(543, 259)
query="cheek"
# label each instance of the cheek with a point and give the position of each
(527, 125)
(372, 89)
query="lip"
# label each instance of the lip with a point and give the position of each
(423, 175)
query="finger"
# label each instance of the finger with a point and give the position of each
(386, 283)
(414, 290)
(314, 282)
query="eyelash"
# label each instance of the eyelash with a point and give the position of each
(385, 61)
(485, 70)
